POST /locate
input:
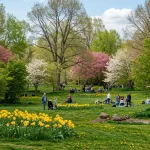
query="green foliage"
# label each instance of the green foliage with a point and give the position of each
(2, 18)
(17, 72)
(142, 114)
(3, 78)
(107, 41)
(15, 38)
(13, 33)
(141, 68)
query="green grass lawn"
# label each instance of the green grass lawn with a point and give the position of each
(89, 135)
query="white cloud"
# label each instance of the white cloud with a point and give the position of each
(115, 19)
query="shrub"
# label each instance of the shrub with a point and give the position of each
(142, 114)
(17, 85)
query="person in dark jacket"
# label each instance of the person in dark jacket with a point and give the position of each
(128, 99)
(44, 100)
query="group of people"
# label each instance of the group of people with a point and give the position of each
(89, 89)
(52, 106)
(49, 102)
(120, 101)
(73, 90)
(62, 86)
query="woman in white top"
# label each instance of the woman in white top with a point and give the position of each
(108, 98)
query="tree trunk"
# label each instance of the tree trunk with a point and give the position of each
(66, 77)
(58, 73)
(131, 84)
(53, 84)
(36, 87)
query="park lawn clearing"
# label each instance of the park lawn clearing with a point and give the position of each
(100, 135)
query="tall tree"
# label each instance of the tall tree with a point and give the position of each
(93, 26)
(91, 66)
(107, 41)
(119, 68)
(60, 25)
(14, 36)
(139, 27)
(141, 67)
(36, 72)
(5, 55)
(2, 18)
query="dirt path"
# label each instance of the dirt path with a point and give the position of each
(131, 120)
(137, 121)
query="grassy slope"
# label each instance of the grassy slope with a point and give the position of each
(92, 136)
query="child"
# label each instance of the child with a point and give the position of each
(122, 101)
(55, 103)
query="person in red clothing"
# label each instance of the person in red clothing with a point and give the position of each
(69, 100)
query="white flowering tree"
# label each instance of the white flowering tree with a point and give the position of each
(119, 69)
(37, 70)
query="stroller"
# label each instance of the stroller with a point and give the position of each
(50, 105)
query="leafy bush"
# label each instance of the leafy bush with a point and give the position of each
(32, 126)
(17, 85)
(148, 109)
(142, 114)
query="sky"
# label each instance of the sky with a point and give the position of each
(113, 12)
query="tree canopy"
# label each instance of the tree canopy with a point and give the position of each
(107, 41)
(141, 67)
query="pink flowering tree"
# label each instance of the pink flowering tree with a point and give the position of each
(5, 54)
(91, 66)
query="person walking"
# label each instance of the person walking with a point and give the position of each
(44, 100)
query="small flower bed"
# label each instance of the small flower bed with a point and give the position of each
(80, 106)
(19, 124)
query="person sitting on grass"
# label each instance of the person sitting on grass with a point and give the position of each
(122, 101)
(92, 90)
(117, 100)
(69, 100)
(147, 101)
